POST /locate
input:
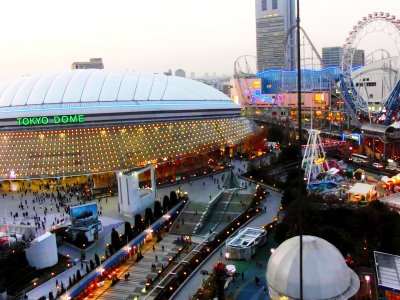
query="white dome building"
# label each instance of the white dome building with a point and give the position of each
(325, 273)
(84, 122)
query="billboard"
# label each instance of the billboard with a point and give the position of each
(84, 215)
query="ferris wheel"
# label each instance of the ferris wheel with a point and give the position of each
(376, 22)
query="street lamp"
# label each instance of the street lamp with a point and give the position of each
(227, 255)
(367, 279)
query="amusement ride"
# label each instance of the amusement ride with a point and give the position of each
(347, 83)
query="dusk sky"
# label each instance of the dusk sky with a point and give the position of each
(154, 36)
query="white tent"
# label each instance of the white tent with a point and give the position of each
(361, 189)
(332, 171)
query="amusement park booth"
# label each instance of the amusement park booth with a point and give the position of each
(362, 192)
(84, 219)
(245, 243)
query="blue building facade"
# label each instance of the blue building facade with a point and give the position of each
(276, 81)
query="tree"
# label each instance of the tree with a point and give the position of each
(78, 275)
(157, 211)
(62, 288)
(273, 159)
(290, 153)
(128, 231)
(173, 199)
(92, 266)
(148, 217)
(81, 239)
(139, 227)
(69, 282)
(280, 232)
(220, 278)
(291, 191)
(97, 259)
(110, 250)
(115, 241)
(166, 204)
(357, 175)
(87, 269)
(51, 297)
(275, 134)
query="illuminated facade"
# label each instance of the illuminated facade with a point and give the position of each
(45, 136)
(253, 93)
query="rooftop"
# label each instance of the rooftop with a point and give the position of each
(94, 85)
(245, 237)
(388, 270)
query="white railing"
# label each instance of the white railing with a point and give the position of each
(392, 200)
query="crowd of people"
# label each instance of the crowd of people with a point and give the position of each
(47, 207)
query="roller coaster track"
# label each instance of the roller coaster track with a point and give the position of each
(392, 105)
(343, 92)
(349, 93)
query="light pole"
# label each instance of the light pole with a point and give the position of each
(367, 279)
(300, 142)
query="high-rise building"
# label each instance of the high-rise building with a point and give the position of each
(93, 63)
(332, 57)
(273, 19)
(358, 58)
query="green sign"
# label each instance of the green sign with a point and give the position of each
(29, 121)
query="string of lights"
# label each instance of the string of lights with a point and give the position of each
(79, 151)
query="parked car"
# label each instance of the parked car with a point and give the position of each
(378, 165)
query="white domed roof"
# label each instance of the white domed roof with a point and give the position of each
(325, 273)
(94, 85)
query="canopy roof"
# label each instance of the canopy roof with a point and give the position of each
(388, 270)
(361, 189)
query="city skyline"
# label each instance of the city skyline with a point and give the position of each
(201, 37)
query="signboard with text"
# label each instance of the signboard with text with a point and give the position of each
(66, 119)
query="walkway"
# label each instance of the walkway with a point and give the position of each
(195, 281)
(139, 271)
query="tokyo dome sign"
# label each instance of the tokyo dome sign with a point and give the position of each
(32, 121)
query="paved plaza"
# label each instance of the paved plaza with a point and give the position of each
(199, 191)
